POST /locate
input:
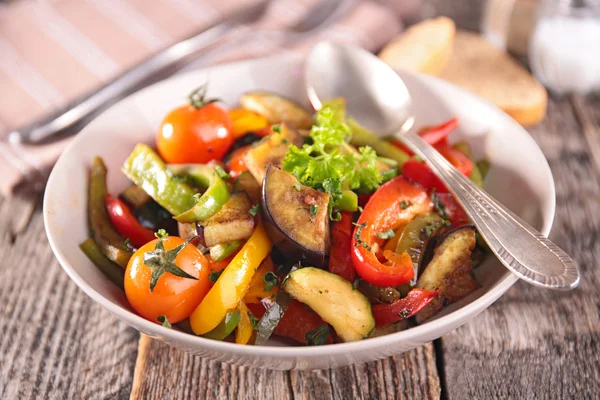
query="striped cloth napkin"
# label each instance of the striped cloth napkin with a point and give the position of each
(53, 51)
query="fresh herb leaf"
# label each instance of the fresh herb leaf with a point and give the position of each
(214, 275)
(253, 320)
(255, 210)
(389, 175)
(359, 241)
(386, 234)
(317, 337)
(405, 204)
(164, 321)
(271, 280)
(360, 209)
(161, 233)
(404, 313)
(197, 197)
(276, 128)
(161, 261)
(126, 246)
(314, 209)
(221, 172)
(438, 205)
(298, 187)
(330, 162)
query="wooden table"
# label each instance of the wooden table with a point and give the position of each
(56, 343)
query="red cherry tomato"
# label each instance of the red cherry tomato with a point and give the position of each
(197, 135)
(173, 296)
(417, 171)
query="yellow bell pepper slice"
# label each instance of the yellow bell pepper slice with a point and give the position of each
(257, 291)
(232, 285)
(244, 121)
(244, 330)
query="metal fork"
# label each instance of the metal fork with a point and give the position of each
(207, 44)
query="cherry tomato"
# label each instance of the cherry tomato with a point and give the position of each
(237, 161)
(173, 296)
(127, 225)
(195, 133)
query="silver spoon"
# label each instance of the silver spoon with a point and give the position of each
(377, 97)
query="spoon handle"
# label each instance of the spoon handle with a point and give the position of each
(520, 247)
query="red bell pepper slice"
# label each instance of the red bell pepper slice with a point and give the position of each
(456, 214)
(237, 161)
(431, 134)
(296, 322)
(393, 204)
(418, 171)
(456, 157)
(406, 307)
(340, 261)
(127, 225)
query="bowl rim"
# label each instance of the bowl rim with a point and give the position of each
(471, 309)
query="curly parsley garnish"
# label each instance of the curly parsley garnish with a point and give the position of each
(317, 337)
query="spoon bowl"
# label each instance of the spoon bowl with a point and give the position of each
(377, 98)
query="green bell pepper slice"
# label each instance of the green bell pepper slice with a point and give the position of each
(211, 201)
(225, 327)
(224, 250)
(112, 271)
(147, 170)
(108, 239)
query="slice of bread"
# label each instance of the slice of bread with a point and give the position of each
(491, 73)
(424, 47)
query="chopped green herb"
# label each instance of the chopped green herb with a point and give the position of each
(320, 292)
(359, 241)
(197, 197)
(276, 128)
(214, 275)
(317, 337)
(284, 141)
(255, 210)
(438, 205)
(164, 321)
(126, 246)
(253, 320)
(161, 233)
(386, 234)
(314, 209)
(271, 280)
(404, 204)
(298, 187)
(360, 209)
(221, 172)
(404, 313)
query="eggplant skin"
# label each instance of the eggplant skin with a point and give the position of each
(232, 222)
(277, 109)
(287, 204)
(449, 270)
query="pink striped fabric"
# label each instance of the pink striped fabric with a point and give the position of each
(52, 51)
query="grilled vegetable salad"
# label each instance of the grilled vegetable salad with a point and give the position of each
(267, 220)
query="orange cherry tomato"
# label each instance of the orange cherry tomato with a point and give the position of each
(237, 161)
(173, 296)
(195, 133)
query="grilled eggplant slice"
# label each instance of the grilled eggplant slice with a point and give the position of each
(299, 213)
(277, 109)
(232, 222)
(271, 151)
(449, 270)
(247, 183)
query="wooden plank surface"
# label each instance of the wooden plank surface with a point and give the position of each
(56, 343)
(535, 343)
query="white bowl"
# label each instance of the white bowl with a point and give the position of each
(519, 177)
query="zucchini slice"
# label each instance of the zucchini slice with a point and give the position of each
(277, 109)
(334, 299)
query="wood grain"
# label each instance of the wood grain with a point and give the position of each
(55, 342)
(164, 372)
(535, 343)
